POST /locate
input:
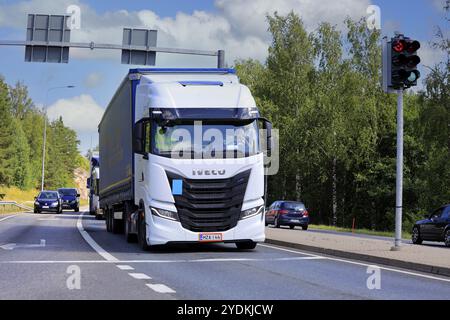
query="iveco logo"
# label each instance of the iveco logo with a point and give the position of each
(201, 172)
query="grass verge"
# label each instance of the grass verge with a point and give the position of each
(405, 235)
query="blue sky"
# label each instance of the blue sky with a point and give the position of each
(238, 26)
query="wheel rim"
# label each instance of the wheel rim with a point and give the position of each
(415, 234)
(447, 238)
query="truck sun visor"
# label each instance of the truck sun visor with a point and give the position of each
(161, 114)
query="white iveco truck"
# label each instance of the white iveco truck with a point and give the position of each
(182, 159)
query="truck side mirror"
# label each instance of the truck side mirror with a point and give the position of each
(138, 139)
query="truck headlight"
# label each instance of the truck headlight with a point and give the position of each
(165, 214)
(251, 212)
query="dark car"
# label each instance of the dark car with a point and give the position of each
(47, 201)
(287, 213)
(70, 198)
(435, 228)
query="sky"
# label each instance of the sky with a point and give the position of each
(237, 26)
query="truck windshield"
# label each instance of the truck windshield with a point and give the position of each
(206, 140)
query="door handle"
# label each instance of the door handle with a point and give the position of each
(142, 177)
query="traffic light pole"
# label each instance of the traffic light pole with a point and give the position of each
(399, 175)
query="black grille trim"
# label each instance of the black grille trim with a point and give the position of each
(210, 205)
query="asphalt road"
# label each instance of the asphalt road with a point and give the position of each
(42, 254)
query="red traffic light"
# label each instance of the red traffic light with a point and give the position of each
(399, 45)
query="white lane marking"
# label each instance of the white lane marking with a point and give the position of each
(124, 267)
(11, 246)
(161, 288)
(161, 261)
(139, 276)
(362, 264)
(106, 255)
(8, 217)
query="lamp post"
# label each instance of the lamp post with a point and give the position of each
(45, 130)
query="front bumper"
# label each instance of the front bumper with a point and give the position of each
(293, 221)
(162, 231)
(51, 209)
(69, 205)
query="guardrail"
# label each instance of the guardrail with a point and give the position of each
(15, 204)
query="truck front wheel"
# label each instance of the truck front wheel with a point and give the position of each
(247, 245)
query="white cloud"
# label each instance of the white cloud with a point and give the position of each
(430, 56)
(93, 80)
(80, 113)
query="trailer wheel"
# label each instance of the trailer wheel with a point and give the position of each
(108, 219)
(117, 224)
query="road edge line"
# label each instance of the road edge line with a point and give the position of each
(441, 271)
(106, 255)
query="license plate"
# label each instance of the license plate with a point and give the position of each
(45, 207)
(210, 237)
(295, 221)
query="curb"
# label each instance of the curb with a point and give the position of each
(442, 271)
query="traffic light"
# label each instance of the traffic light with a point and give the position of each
(404, 61)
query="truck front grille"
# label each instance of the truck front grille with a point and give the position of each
(208, 205)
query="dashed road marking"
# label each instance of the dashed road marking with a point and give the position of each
(140, 276)
(124, 267)
(161, 288)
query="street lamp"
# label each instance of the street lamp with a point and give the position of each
(45, 130)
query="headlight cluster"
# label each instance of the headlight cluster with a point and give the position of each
(36, 203)
(165, 214)
(54, 204)
(252, 212)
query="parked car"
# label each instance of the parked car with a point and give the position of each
(436, 227)
(48, 201)
(70, 198)
(289, 213)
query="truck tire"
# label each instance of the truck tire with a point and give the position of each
(117, 225)
(108, 219)
(247, 245)
(142, 234)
